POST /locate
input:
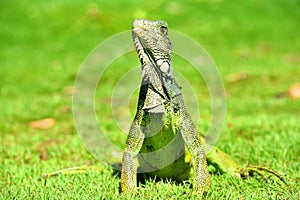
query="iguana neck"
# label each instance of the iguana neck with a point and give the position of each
(155, 53)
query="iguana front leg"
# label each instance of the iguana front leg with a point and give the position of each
(201, 182)
(133, 145)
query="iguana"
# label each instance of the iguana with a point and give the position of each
(163, 124)
(161, 119)
(162, 136)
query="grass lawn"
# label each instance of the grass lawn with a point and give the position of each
(255, 44)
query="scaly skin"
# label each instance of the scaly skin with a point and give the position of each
(162, 135)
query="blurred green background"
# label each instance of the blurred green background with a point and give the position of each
(255, 44)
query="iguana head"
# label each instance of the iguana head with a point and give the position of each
(153, 44)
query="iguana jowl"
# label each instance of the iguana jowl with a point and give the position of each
(162, 123)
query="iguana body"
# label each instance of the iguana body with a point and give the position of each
(162, 119)
(162, 129)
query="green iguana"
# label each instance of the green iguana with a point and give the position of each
(161, 119)
(162, 129)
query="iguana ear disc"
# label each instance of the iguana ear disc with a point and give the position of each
(165, 67)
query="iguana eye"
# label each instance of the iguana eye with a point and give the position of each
(164, 30)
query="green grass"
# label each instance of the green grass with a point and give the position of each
(44, 43)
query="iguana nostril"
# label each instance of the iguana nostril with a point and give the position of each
(138, 23)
